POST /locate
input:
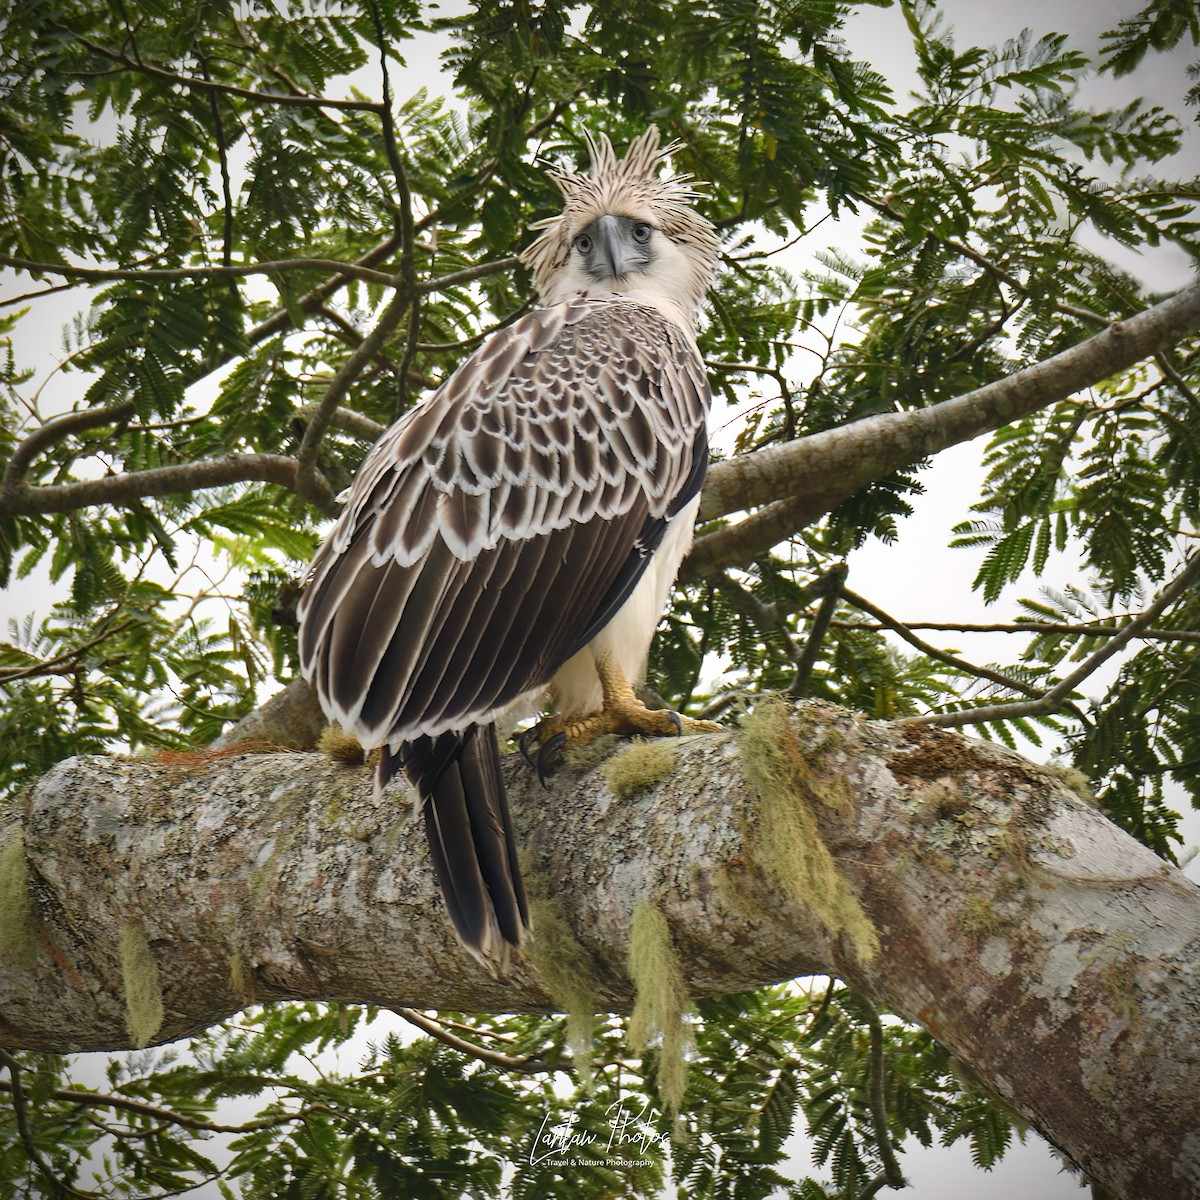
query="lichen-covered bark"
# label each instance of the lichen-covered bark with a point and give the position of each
(1048, 950)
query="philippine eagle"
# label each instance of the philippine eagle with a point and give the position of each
(520, 531)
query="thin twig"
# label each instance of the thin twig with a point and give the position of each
(981, 260)
(1051, 699)
(961, 664)
(528, 1066)
(765, 616)
(63, 664)
(307, 476)
(134, 275)
(59, 1186)
(831, 588)
(193, 83)
(476, 338)
(281, 319)
(1157, 635)
(55, 430)
(107, 1100)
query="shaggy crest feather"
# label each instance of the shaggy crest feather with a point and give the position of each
(628, 186)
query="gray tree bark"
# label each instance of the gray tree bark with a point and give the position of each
(955, 883)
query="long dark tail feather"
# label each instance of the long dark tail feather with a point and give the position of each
(470, 837)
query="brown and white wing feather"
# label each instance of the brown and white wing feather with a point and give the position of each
(492, 530)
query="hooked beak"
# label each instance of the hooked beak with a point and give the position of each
(612, 254)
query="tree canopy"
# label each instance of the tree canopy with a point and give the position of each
(276, 247)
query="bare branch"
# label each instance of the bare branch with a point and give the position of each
(124, 1104)
(346, 419)
(404, 301)
(313, 300)
(892, 1174)
(309, 482)
(527, 1066)
(468, 275)
(831, 590)
(65, 663)
(994, 269)
(58, 1187)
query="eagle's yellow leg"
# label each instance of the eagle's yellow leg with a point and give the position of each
(622, 713)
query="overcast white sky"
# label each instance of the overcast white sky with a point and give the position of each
(919, 576)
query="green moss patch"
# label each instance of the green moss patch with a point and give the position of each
(639, 767)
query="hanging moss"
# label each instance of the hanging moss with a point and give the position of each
(565, 970)
(18, 938)
(788, 785)
(662, 1000)
(639, 767)
(241, 979)
(143, 990)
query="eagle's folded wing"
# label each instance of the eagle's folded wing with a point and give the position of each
(493, 530)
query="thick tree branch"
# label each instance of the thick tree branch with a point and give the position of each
(816, 474)
(1052, 953)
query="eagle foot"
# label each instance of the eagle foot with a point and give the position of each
(623, 715)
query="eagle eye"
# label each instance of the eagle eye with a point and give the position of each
(583, 243)
(641, 232)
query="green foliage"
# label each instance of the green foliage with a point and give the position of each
(415, 1117)
(175, 145)
(1161, 25)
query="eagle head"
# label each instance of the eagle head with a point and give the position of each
(625, 230)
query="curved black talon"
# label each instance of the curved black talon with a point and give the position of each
(527, 737)
(677, 721)
(549, 751)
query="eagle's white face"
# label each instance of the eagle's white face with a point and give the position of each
(630, 256)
